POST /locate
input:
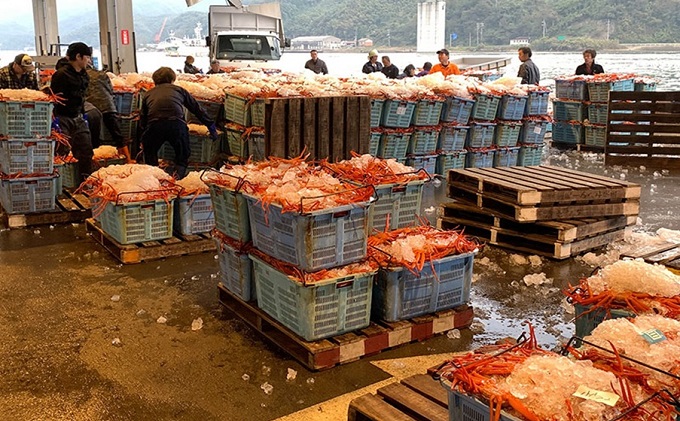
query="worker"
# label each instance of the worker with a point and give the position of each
(444, 66)
(372, 65)
(19, 74)
(528, 71)
(214, 68)
(70, 83)
(189, 66)
(425, 70)
(100, 94)
(315, 64)
(162, 119)
(389, 70)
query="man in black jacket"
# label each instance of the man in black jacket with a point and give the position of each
(527, 70)
(589, 67)
(70, 83)
(389, 70)
(373, 65)
(315, 64)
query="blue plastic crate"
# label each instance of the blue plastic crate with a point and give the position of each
(537, 103)
(26, 156)
(427, 112)
(28, 194)
(25, 119)
(597, 113)
(568, 110)
(452, 137)
(136, 222)
(512, 107)
(587, 321)
(467, 408)
(126, 102)
(394, 145)
(645, 86)
(316, 311)
(564, 132)
(374, 143)
(450, 161)
(214, 110)
(128, 128)
(231, 212)
(599, 91)
(533, 131)
(530, 155)
(236, 269)
(480, 135)
(203, 149)
(400, 202)
(506, 157)
(485, 107)
(423, 141)
(312, 241)
(194, 214)
(398, 114)
(426, 162)
(479, 159)
(571, 89)
(399, 294)
(595, 136)
(377, 106)
(457, 110)
(68, 174)
(507, 133)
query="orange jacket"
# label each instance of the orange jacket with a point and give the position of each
(451, 69)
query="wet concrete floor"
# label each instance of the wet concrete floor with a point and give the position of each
(64, 302)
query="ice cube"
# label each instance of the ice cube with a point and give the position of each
(197, 324)
(267, 388)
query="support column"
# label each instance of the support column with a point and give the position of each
(117, 36)
(46, 26)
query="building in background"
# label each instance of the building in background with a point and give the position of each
(520, 41)
(431, 27)
(323, 42)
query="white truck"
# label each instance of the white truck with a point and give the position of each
(245, 35)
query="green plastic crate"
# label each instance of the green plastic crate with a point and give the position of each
(597, 113)
(194, 214)
(126, 102)
(203, 149)
(68, 174)
(244, 112)
(377, 106)
(452, 137)
(256, 147)
(231, 212)
(537, 103)
(530, 155)
(645, 86)
(128, 128)
(137, 222)
(505, 157)
(568, 110)
(214, 110)
(457, 110)
(564, 132)
(425, 162)
(450, 161)
(374, 143)
(485, 107)
(480, 135)
(26, 156)
(423, 141)
(313, 241)
(533, 131)
(28, 194)
(587, 322)
(599, 91)
(236, 270)
(320, 310)
(507, 133)
(394, 145)
(238, 144)
(399, 294)
(427, 112)
(25, 118)
(595, 135)
(479, 159)
(400, 202)
(398, 114)
(571, 89)
(467, 408)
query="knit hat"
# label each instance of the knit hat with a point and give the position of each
(25, 61)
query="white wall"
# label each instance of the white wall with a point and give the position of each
(431, 26)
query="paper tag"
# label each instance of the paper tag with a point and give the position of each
(538, 129)
(653, 336)
(596, 395)
(401, 110)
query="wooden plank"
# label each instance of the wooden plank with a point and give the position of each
(309, 127)
(294, 129)
(649, 250)
(371, 407)
(425, 385)
(323, 136)
(644, 96)
(649, 162)
(664, 257)
(275, 137)
(412, 402)
(352, 112)
(337, 136)
(364, 124)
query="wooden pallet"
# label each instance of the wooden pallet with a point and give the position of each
(544, 212)
(667, 254)
(417, 397)
(342, 349)
(179, 245)
(564, 231)
(70, 208)
(526, 186)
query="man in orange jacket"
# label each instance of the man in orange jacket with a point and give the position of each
(444, 66)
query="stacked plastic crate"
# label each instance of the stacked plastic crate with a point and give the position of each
(422, 150)
(508, 128)
(595, 128)
(569, 110)
(534, 126)
(455, 119)
(27, 178)
(193, 213)
(480, 153)
(395, 122)
(244, 132)
(127, 104)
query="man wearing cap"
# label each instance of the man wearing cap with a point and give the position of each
(444, 66)
(315, 64)
(19, 74)
(70, 82)
(215, 68)
(373, 65)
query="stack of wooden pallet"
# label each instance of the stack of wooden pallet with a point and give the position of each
(545, 210)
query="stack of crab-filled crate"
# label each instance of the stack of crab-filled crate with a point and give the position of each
(482, 132)
(569, 110)
(453, 134)
(508, 127)
(595, 126)
(395, 130)
(422, 150)
(534, 126)
(27, 179)
(244, 130)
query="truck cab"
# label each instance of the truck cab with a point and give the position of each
(245, 46)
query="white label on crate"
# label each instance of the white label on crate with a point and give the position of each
(401, 110)
(596, 395)
(537, 130)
